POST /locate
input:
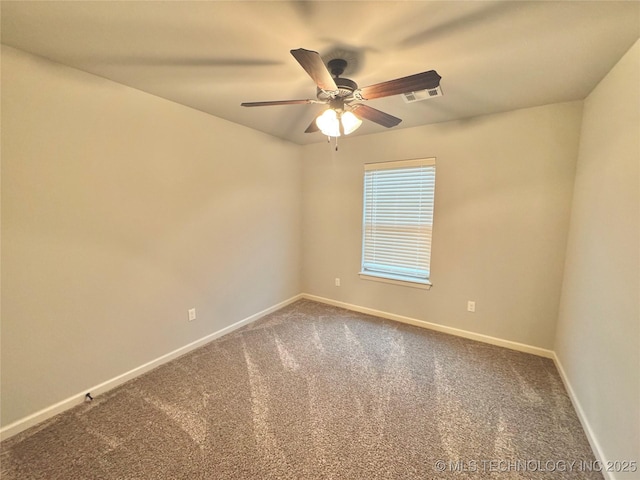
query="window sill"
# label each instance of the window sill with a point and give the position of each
(426, 285)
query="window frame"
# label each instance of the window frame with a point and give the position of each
(429, 202)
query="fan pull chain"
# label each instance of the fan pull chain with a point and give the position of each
(329, 141)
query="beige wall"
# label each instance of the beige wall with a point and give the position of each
(598, 339)
(503, 192)
(120, 211)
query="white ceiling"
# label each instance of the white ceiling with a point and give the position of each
(213, 55)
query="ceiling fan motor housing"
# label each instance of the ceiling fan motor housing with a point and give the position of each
(346, 87)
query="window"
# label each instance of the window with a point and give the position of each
(397, 220)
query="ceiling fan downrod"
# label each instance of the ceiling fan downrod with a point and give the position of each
(337, 66)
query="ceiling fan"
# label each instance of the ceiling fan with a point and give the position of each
(342, 95)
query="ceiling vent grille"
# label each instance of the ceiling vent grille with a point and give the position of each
(420, 95)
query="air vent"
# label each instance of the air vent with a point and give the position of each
(420, 95)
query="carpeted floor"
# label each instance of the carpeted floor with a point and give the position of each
(318, 392)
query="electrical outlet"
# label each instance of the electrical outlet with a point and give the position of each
(337, 282)
(192, 314)
(471, 306)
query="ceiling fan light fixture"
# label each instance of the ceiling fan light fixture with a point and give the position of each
(350, 123)
(333, 123)
(328, 123)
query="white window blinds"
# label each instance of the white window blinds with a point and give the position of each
(398, 219)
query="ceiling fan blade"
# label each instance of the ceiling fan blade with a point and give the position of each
(412, 83)
(277, 102)
(313, 127)
(315, 67)
(381, 118)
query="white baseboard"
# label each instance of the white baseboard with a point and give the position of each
(521, 347)
(586, 426)
(46, 413)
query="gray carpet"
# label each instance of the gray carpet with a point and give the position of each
(312, 392)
